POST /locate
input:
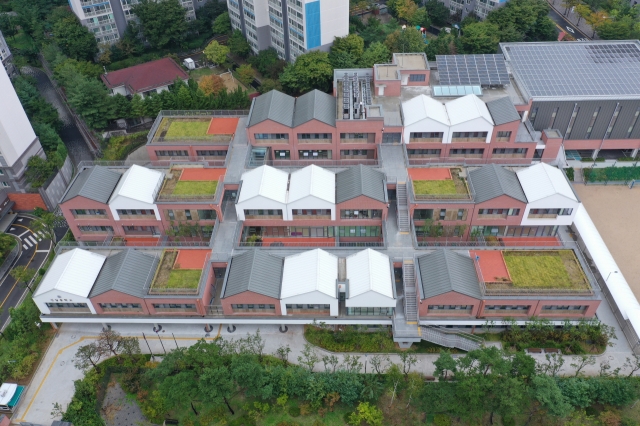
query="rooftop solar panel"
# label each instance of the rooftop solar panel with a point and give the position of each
(485, 70)
(580, 69)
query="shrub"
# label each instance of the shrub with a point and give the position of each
(570, 173)
(294, 411)
(442, 420)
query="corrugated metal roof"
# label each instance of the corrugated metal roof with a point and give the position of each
(314, 181)
(127, 272)
(313, 270)
(360, 180)
(265, 181)
(492, 181)
(96, 183)
(73, 272)
(422, 107)
(467, 108)
(444, 270)
(275, 106)
(502, 111)
(315, 105)
(369, 270)
(139, 183)
(542, 181)
(256, 271)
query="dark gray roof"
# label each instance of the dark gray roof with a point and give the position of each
(275, 106)
(444, 270)
(96, 183)
(256, 271)
(127, 272)
(315, 105)
(360, 180)
(502, 111)
(492, 181)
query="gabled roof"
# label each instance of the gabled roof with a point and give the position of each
(96, 183)
(139, 183)
(147, 76)
(422, 107)
(256, 271)
(312, 181)
(467, 108)
(309, 271)
(360, 180)
(265, 181)
(542, 181)
(444, 270)
(73, 272)
(502, 111)
(315, 105)
(492, 181)
(274, 106)
(369, 270)
(127, 272)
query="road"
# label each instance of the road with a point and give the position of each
(563, 24)
(34, 251)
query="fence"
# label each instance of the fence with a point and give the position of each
(454, 198)
(194, 113)
(451, 339)
(178, 161)
(160, 244)
(320, 163)
(455, 161)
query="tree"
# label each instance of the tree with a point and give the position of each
(376, 53)
(268, 63)
(111, 342)
(633, 364)
(614, 30)
(216, 53)
(75, 40)
(408, 360)
(480, 37)
(581, 362)
(596, 19)
(308, 357)
(8, 26)
(7, 242)
(238, 45)
(23, 275)
(163, 22)
(376, 363)
(526, 20)
(269, 85)
(438, 12)
(283, 352)
(352, 44)
(87, 356)
(554, 364)
(211, 84)
(444, 44)
(583, 12)
(330, 363)
(548, 396)
(38, 171)
(405, 41)
(217, 385)
(310, 71)
(365, 412)
(445, 364)
(245, 74)
(222, 24)
(569, 4)
(91, 100)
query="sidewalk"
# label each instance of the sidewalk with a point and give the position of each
(573, 17)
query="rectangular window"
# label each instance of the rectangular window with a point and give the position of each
(164, 153)
(187, 213)
(612, 123)
(314, 136)
(95, 229)
(553, 118)
(633, 123)
(315, 155)
(210, 153)
(360, 214)
(503, 136)
(591, 122)
(417, 77)
(277, 136)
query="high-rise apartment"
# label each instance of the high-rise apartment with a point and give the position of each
(5, 56)
(462, 8)
(292, 27)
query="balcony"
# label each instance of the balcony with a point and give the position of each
(176, 310)
(542, 216)
(314, 141)
(514, 155)
(311, 217)
(425, 140)
(90, 216)
(70, 310)
(137, 217)
(108, 310)
(97, 12)
(272, 141)
(263, 216)
(492, 216)
(477, 140)
(466, 155)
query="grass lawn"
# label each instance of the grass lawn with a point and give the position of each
(434, 187)
(183, 278)
(21, 41)
(201, 72)
(192, 187)
(181, 128)
(545, 269)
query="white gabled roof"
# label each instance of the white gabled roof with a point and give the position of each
(314, 181)
(265, 181)
(7, 390)
(369, 270)
(467, 108)
(73, 272)
(542, 181)
(422, 107)
(313, 270)
(139, 183)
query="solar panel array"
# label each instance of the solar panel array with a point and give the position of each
(576, 69)
(454, 91)
(484, 70)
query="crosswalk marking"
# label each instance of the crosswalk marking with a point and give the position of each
(24, 246)
(27, 242)
(33, 239)
(25, 232)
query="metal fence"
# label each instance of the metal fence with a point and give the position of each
(451, 339)
(455, 161)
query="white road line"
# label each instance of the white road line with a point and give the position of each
(28, 242)
(12, 229)
(41, 233)
(42, 251)
(33, 239)
(24, 246)
(25, 232)
(19, 220)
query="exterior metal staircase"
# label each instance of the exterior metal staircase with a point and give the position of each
(451, 338)
(403, 209)
(410, 295)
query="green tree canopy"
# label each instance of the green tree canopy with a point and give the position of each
(405, 41)
(438, 12)
(74, 39)
(238, 45)
(163, 22)
(444, 44)
(480, 37)
(222, 24)
(376, 53)
(268, 63)
(310, 71)
(527, 17)
(216, 52)
(90, 99)
(351, 46)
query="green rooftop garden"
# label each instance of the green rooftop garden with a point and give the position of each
(193, 187)
(436, 187)
(170, 278)
(191, 128)
(184, 278)
(548, 269)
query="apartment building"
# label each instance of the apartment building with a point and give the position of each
(108, 19)
(5, 57)
(460, 9)
(292, 27)
(18, 141)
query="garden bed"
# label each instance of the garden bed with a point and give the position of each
(170, 278)
(456, 187)
(186, 128)
(545, 269)
(605, 174)
(174, 186)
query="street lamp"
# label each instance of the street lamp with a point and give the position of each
(612, 272)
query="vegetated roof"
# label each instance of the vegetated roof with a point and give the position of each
(96, 183)
(315, 105)
(360, 180)
(542, 181)
(73, 272)
(467, 108)
(274, 106)
(265, 181)
(369, 270)
(139, 183)
(492, 181)
(256, 271)
(502, 111)
(444, 270)
(309, 271)
(312, 181)
(127, 272)
(422, 107)
(147, 76)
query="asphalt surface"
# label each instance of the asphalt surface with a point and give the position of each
(33, 253)
(566, 26)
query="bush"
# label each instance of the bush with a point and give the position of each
(294, 411)
(442, 420)
(570, 173)
(611, 174)
(350, 339)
